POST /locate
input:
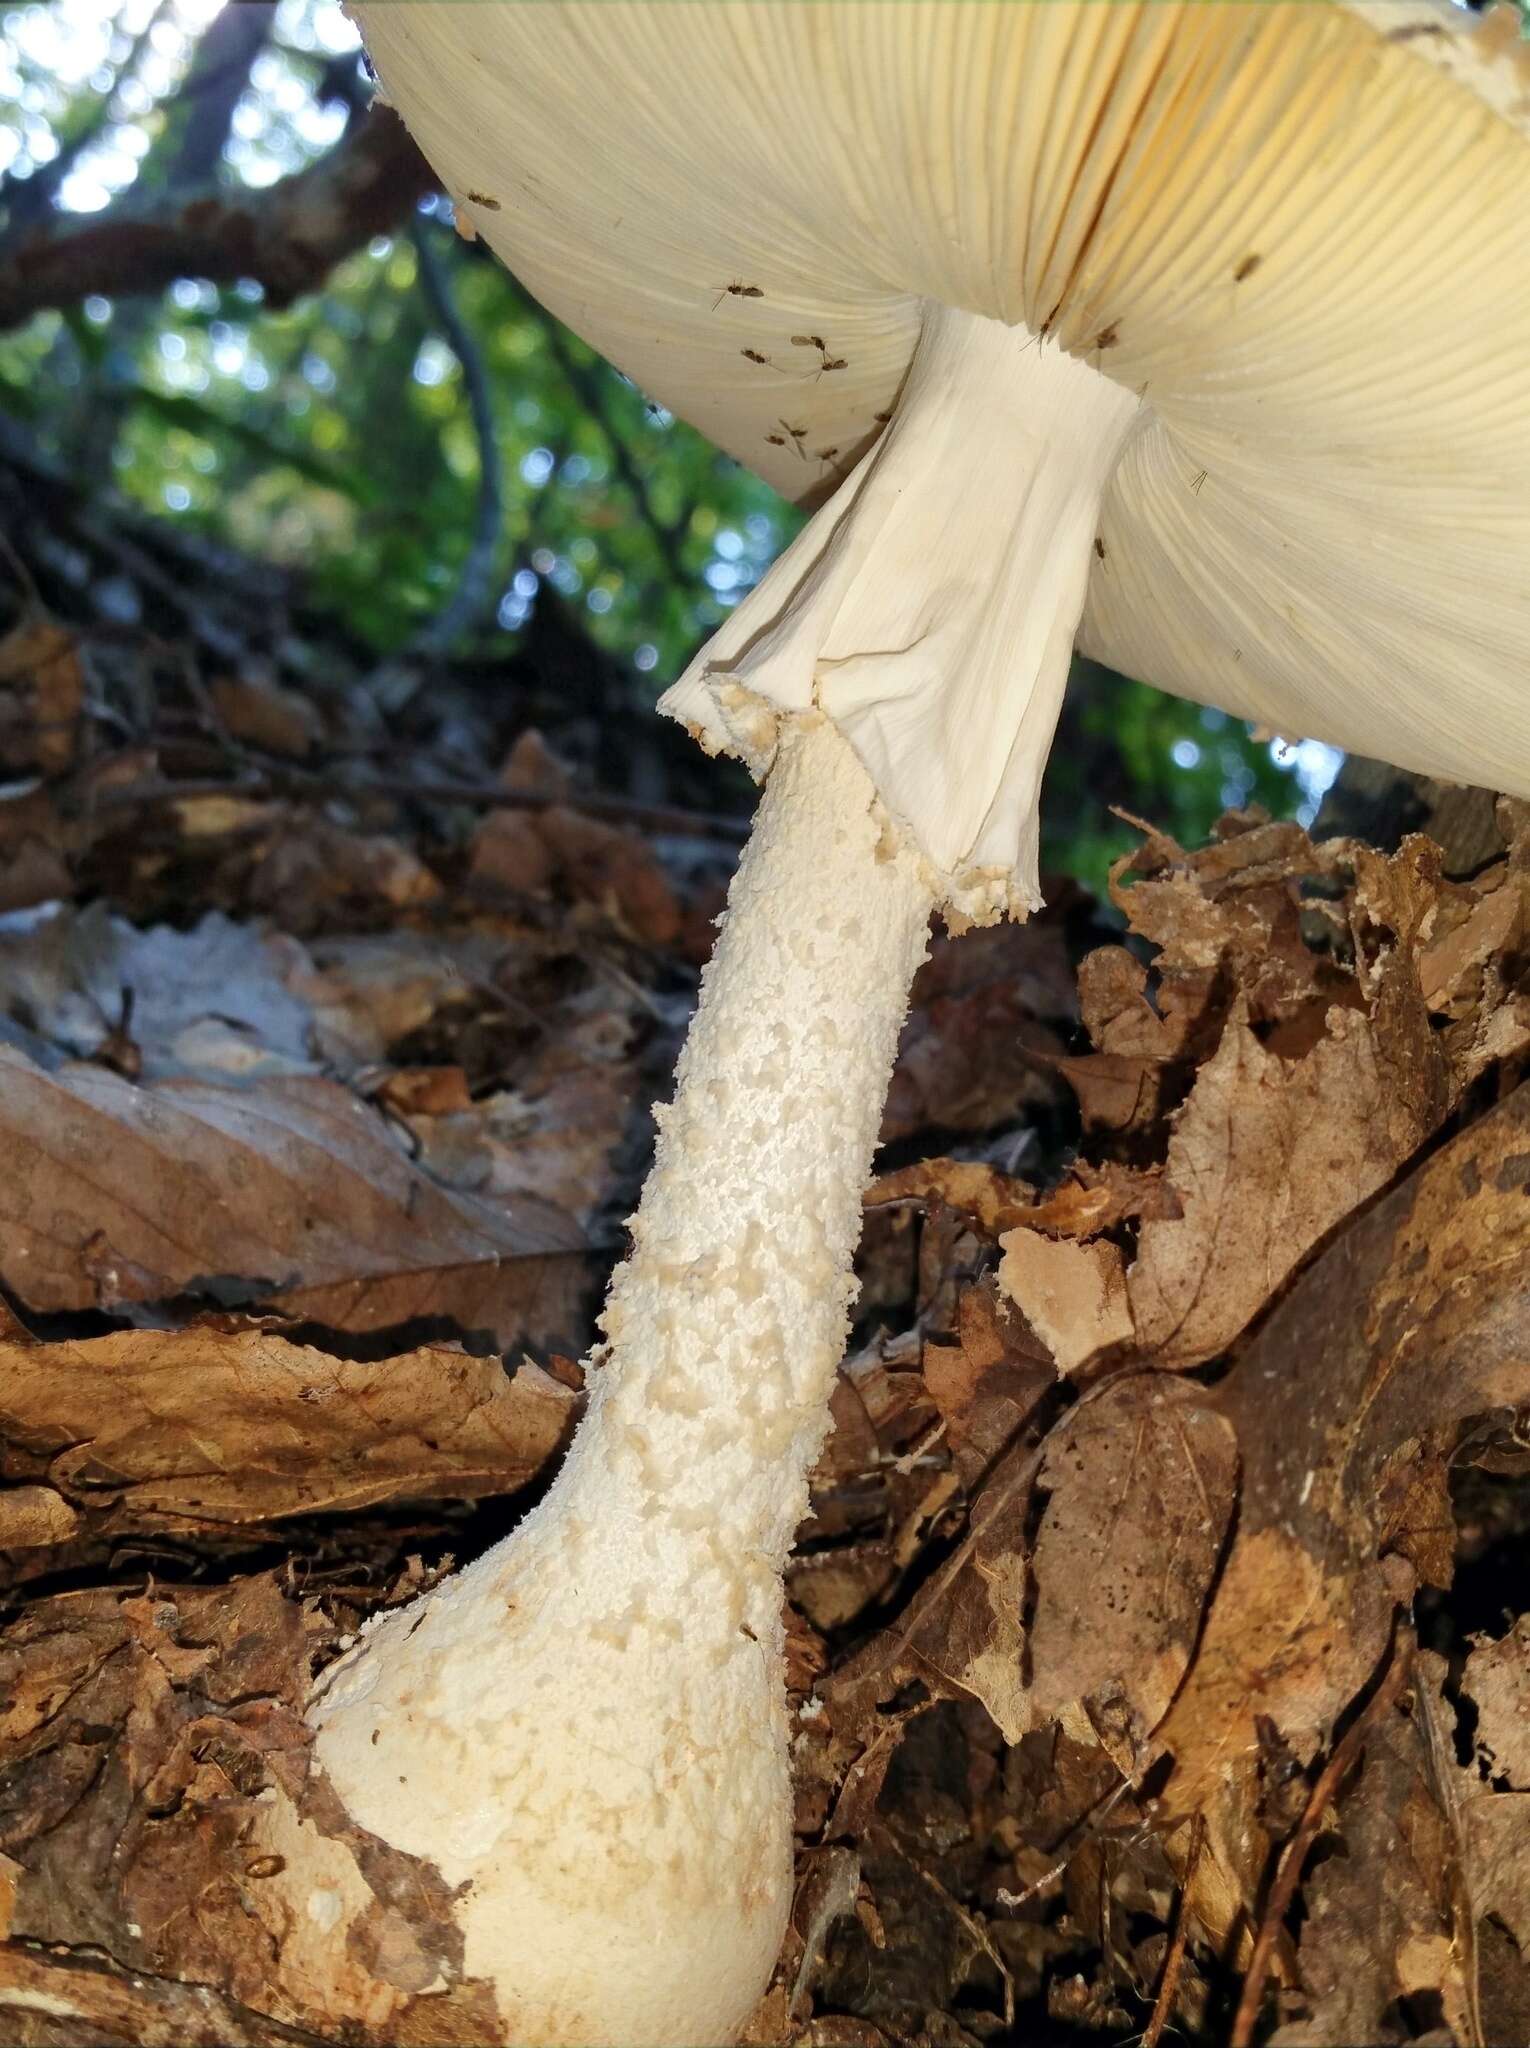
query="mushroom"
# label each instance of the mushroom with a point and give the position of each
(1191, 335)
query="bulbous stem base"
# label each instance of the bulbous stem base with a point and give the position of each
(586, 1728)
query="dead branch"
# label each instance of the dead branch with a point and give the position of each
(287, 238)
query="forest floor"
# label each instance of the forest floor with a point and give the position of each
(1160, 1660)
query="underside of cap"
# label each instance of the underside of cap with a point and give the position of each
(1297, 232)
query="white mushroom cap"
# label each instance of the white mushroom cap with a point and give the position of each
(1200, 330)
(1297, 232)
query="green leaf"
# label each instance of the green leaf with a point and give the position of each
(176, 409)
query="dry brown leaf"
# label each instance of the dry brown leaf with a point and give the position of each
(1073, 1295)
(1498, 1860)
(1409, 1328)
(42, 688)
(1116, 1091)
(554, 1136)
(1266, 1157)
(583, 858)
(1490, 921)
(509, 855)
(265, 715)
(206, 998)
(1497, 1678)
(1096, 1198)
(1142, 1484)
(155, 1765)
(983, 1033)
(988, 1383)
(312, 870)
(65, 2001)
(369, 992)
(960, 1635)
(533, 767)
(204, 1428)
(1378, 1927)
(995, 1201)
(425, 1091)
(289, 1192)
(33, 1517)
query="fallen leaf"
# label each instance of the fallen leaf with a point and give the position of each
(155, 1764)
(1072, 1295)
(42, 689)
(1142, 1484)
(995, 1201)
(34, 1517)
(560, 849)
(984, 1030)
(1378, 1927)
(288, 1193)
(1266, 1156)
(210, 1000)
(206, 1428)
(988, 1383)
(266, 715)
(1407, 1330)
(1497, 1679)
(426, 1091)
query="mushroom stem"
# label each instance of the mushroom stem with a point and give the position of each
(930, 607)
(586, 1727)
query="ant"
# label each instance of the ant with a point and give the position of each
(798, 436)
(826, 361)
(736, 290)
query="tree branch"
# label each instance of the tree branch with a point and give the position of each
(287, 238)
(26, 200)
(220, 71)
(470, 597)
(585, 384)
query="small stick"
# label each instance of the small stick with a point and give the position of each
(296, 784)
(1284, 1888)
(1174, 1960)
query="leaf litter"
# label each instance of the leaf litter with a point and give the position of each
(1187, 1395)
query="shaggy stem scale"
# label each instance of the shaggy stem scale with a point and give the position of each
(609, 1680)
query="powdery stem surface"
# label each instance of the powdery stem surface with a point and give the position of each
(587, 1727)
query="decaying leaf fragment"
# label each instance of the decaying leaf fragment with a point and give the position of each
(1073, 1295)
(1382, 1920)
(1210, 1602)
(205, 1430)
(1497, 1680)
(155, 1761)
(42, 690)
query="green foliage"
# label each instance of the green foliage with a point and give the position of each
(339, 434)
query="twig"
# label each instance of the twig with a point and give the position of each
(286, 238)
(1084, 1829)
(586, 387)
(470, 598)
(1287, 1877)
(1174, 1960)
(623, 810)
